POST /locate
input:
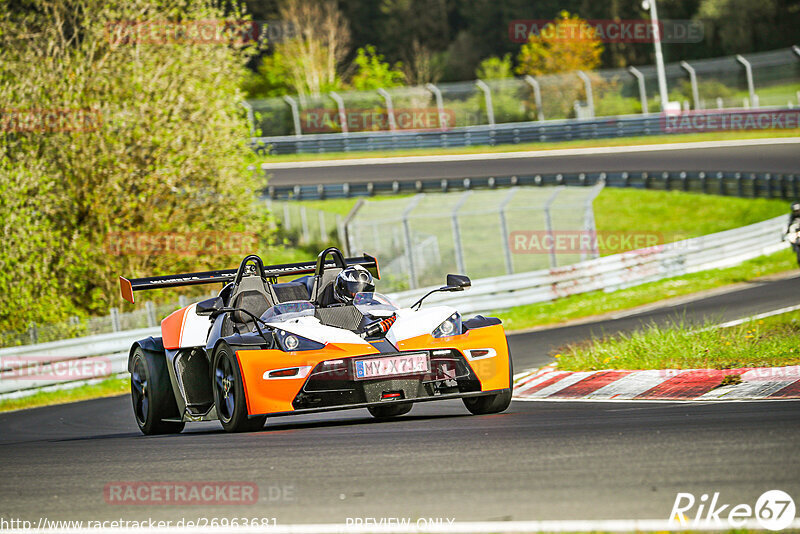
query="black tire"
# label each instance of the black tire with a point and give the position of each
(229, 393)
(496, 403)
(389, 410)
(797, 253)
(151, 394)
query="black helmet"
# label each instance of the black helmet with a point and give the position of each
(352, 280)
(796, 208)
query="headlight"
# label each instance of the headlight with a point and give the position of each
(450, 327)
(290, 342)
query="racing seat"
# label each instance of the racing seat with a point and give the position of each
(253, 295)
(322, 292)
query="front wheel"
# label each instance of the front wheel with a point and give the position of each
(496, 403)
(229, 394)
(151, 394)
(389, 410)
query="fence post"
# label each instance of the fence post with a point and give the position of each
(642, 92)
(412, 274)
(342, 112)
(183, 301)
(548, 226)
(323, 230)
(588, 216)
(504, 230)
(487, 95)
(345, 225)
(295, 114)
(340, 233)
(389, 108)
(748, 70)
(537, 95)
(150, 309)
(250, 117)
(693, 81)
(460, 263)
(439, 103)
(587, 83)
(33, 333)
(304, 222)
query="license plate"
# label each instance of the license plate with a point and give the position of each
(392, 366)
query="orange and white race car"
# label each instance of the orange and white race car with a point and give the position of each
(262, 348)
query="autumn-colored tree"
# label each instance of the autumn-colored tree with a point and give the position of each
(567, 44)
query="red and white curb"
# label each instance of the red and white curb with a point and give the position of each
(548, 383)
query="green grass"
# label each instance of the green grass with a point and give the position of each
(582, 143)
(675, 215)
(769, 342)
(670, 215)
(599, 302)
(107, 388)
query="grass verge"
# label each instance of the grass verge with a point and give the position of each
(770, 342)
(107, 388)
(600, 302)
(487, 149)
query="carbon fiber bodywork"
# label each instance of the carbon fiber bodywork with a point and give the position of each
(332, 383)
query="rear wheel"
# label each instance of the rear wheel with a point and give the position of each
(389, 410)
(151, 394)
(229, 393)
(493, 403)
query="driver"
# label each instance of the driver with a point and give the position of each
(353, 279)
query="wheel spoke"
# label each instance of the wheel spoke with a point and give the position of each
(229, 405)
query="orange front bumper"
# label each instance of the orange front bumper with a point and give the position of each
(266, 396)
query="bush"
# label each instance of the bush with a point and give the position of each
(163, 150)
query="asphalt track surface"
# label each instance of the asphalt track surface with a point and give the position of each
(766, 158)
(537, 461)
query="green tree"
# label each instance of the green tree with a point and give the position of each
(495, 68)
(374, 73)
(164, 149)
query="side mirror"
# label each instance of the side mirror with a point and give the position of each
(209, 306)
(458, 282)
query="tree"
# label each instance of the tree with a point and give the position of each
(313, 59)
(567, 45)
(495, 68)
(164, 148)
(373, 73)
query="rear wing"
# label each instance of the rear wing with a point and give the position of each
(128, 286)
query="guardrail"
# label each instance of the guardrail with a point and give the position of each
(610, 273)
(525, 132)
(29, 368)
(26, 369)
(741, 184)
